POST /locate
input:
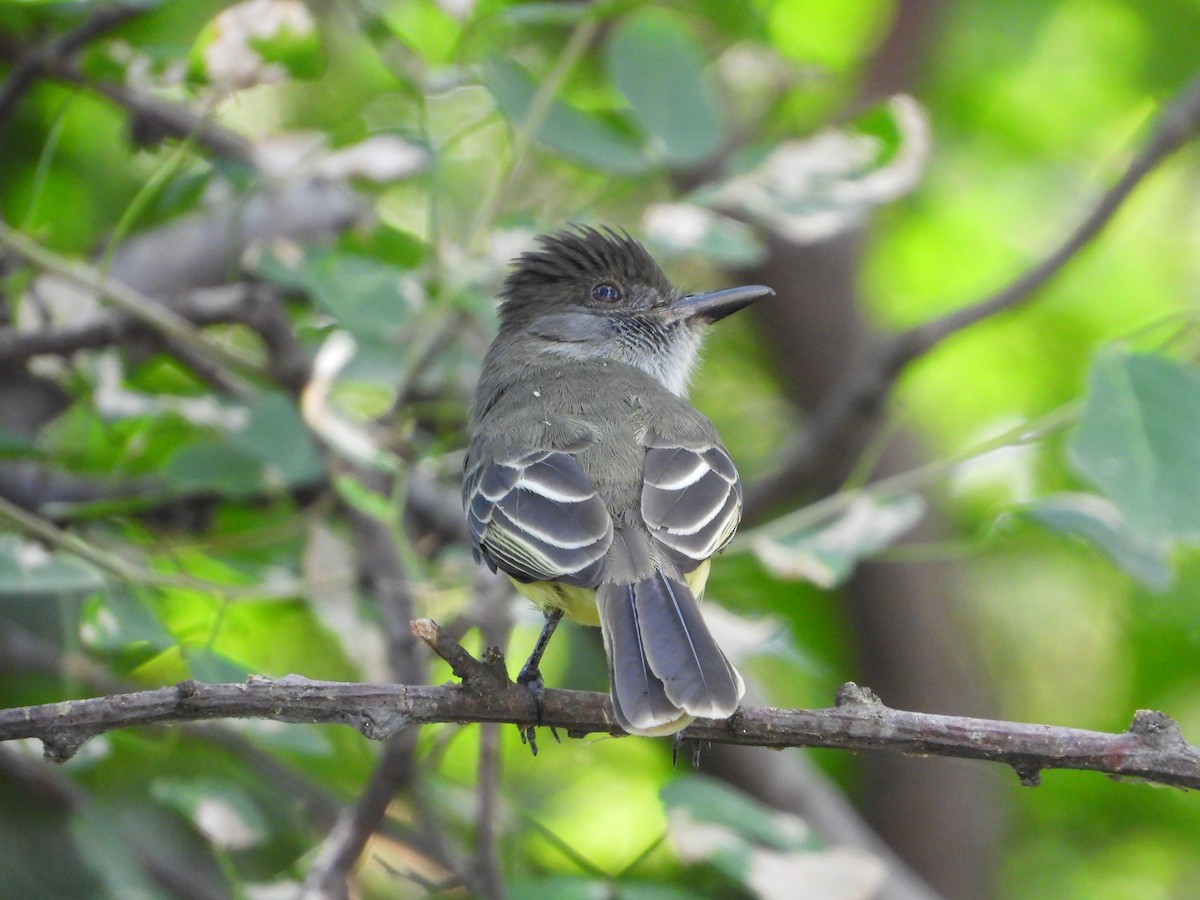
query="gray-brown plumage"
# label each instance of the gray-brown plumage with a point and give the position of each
(593, 483)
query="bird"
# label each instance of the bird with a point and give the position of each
(593, 483)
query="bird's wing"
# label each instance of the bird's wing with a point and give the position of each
(691, 497)
(537, 516)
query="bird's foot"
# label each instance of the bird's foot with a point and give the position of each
(531, 677)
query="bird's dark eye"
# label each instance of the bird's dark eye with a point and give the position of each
(606, 292)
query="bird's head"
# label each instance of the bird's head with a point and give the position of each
(589, 294)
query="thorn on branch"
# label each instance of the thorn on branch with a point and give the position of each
(1158, 729)
(60, 746)
(850, 694)
(186, 690)
(377, 727)
(1031, 776)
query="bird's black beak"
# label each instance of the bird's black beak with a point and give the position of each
(717, 305)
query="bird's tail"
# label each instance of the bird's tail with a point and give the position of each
(664, 666)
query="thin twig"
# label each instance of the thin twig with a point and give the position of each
(859, 399)
(121, 569)
(381, 565)
(1022, 435)
(539, 107)
(154, 314)
(496, 626)
(35, 62)
(342, 847)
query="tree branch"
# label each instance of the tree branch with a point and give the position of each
(34, 63)
(859, 400)
(147, 310)
(1152, 749)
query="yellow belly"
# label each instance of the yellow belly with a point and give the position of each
(579, 604)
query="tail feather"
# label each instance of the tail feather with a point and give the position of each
(682, 652)
(665, 668)
(639, 701)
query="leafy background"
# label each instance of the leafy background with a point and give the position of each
(366, 168)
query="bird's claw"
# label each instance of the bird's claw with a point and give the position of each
(531, 677)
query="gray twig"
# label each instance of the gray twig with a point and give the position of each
(1152, 749)
(859, 400)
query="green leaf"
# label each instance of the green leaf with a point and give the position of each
(367, 296)
(836, 35)
(362, 498)
(212, 667)
(109, 855)
(299, 51)
(279, 440)
(827, 552)
(1138, 440)
(425, 27)
(654, 60)
(218, 799)
(707, 800)
(14, 443)
(1099, 523)
(570, 132)
(213, 466)
(811, 189)
(120, 623)
(675, 229)
(244, 44)
(28, 568)
(581, 887)
(387, 244)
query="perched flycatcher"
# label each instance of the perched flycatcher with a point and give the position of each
(593, 483)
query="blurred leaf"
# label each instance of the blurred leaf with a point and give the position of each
(110, 856)
(1098, 522)
(278, 439)
(1138, 440)
(34, 831)
(221, 808)
(708, 800)
(836, 35)
(767, 851)
(548, 13)
(367, 296)
(387, 244)
(425, 27)
(256, 41)
(210, 465)
(166, 667)
(296, 48)
(297, 644)
(14, 443)
(654, 60)
(120, 622)
(582, 887)
(673, 229)
(208, 665)
(26, 567)
(122, 839)
(574, 134)
(826, 553)
(810, 190)
(362, 498)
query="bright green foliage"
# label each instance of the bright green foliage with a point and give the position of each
(1139, 441)
(217, 506)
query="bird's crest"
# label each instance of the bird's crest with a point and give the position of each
(579, 255)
